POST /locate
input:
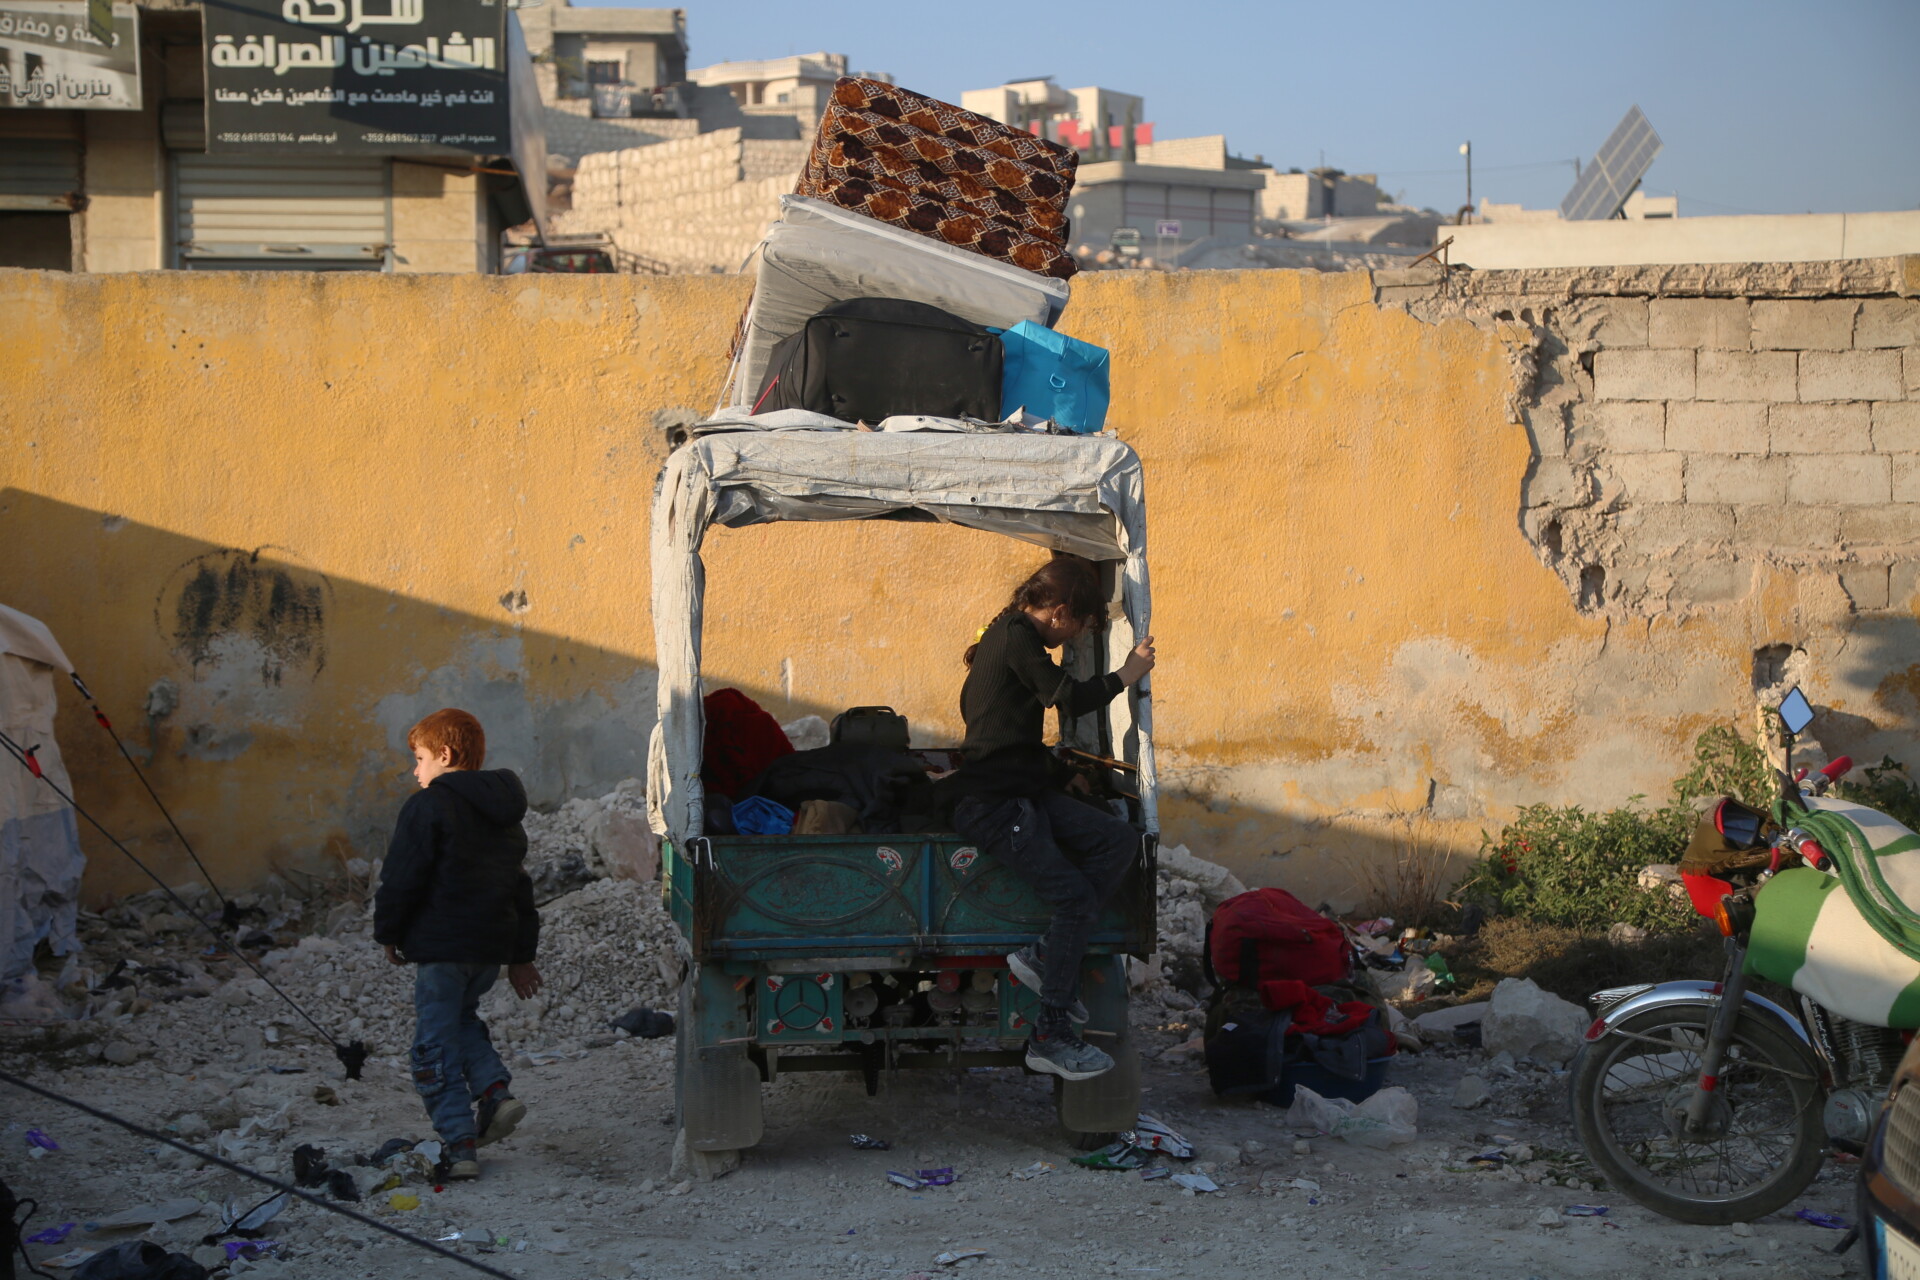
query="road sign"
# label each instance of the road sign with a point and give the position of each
(1171, 228)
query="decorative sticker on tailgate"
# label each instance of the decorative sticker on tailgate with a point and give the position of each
(891, 857)
(963, 857)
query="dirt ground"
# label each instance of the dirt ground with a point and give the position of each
(197, 1046)
(586, 1184)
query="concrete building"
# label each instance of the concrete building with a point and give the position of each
(1512, 243)
(138, 190)
(1102, 124)
(1171, 206)
(1320, 193)
(1639, 207)
(627, 61)
(796, 88)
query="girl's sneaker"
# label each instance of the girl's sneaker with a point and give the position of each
(1025, 964)
(1066, 1055)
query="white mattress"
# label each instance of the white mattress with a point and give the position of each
(818, 254)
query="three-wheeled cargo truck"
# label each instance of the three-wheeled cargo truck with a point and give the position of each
(881, 951)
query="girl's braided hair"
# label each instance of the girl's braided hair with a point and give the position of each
(1066, 579)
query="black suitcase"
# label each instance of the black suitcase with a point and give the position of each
(870, 358)
(871, 727)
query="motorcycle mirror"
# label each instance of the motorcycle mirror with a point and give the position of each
(1795, 712)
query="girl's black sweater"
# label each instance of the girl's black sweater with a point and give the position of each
(1004, 700)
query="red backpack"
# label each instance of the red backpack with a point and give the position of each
(1267, 934)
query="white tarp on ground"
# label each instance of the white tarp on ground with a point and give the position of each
(1070, 493)
(818, 254)
(40, 858)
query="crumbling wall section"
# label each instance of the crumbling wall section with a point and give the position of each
(696, 204)
(1692, 425)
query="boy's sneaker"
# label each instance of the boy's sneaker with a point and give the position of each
(499, 1114)
(462, 1164)
(1066, 1055)
(1025, 964)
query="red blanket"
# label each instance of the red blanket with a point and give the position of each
(1313, 1013)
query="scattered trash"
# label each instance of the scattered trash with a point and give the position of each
(68, 1260)
(309, 1165)
(865, 1143)
(936, 1177)
(1387, 1119)
(952, 1256)
(237, 1222)
(388, 1150)
(647, 1024)
(251, 1250)
(1155, 1173)
(171, 1211)
(40, 1141)
(1150, 1133)
(52, 1235)
(1196, 1182)
(429, 1149)
(341, 1186)
(135, 1260)
(1039, 1168)
(404, 1201)
(1830, 1221)
(1586, 1210)
(906, 1180)
(1115, 1155)
(1493, 1157)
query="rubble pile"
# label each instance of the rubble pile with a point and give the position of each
(1190, 889)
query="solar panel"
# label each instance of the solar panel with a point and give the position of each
(1603, 187)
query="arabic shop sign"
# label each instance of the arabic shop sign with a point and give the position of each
(384, 77)
(50, 59)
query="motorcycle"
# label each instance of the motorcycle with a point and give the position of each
(1705, 1101)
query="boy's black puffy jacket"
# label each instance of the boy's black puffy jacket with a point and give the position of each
(454, 886)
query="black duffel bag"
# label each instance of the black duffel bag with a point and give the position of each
(870, 358)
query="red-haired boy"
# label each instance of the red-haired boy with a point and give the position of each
(455, 901)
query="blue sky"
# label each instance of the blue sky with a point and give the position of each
(1764, 106)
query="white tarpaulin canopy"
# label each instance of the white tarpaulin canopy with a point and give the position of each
(40, 858)
(1082, 494)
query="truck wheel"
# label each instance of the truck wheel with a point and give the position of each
(1106, 1104)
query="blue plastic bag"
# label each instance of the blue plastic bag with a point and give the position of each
(759, 816)
(1053, 376)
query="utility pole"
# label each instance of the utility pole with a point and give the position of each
(1466, 149)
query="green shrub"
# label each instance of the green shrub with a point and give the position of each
(1889, 789)
(1566, 866)
(1725, 764)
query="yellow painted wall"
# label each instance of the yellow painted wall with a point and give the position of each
(322, 505)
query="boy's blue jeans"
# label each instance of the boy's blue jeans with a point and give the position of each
(453, 1058)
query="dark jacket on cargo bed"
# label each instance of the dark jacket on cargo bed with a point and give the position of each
(454, 887)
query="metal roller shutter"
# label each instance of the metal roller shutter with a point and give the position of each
(306, 212)
(39, 173)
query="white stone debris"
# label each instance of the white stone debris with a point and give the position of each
(1526, 1022)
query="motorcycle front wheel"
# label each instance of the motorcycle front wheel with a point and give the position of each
(1764, 1140)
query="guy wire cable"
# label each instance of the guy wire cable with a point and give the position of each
(230, 914)
(281, 1187)
(352, 1055)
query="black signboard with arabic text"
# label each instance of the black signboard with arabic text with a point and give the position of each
(366, 77)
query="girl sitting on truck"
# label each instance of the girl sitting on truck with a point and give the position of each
(1073, 854)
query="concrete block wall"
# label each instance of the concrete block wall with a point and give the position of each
(697, 204)
(1694, 425)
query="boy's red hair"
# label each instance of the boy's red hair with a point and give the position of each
(455, 732)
